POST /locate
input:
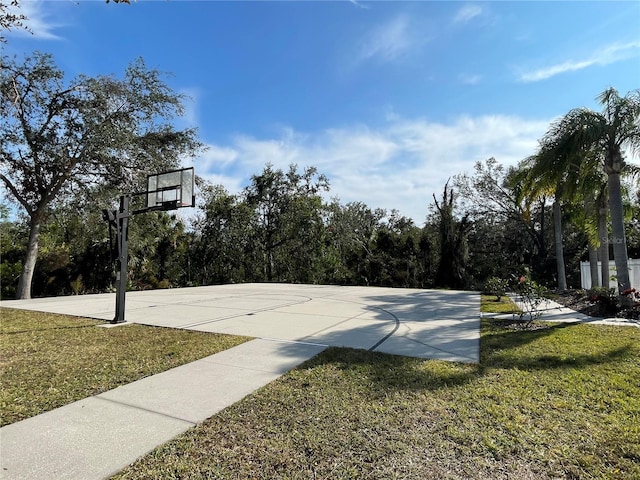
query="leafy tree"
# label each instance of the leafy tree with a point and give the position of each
(332, 267)
(492, 198)
(299, 257)
(59, 137)
(545, 174)
(497, 248)
(606, 134)
(9, 19)
(287, 207)
(353, 229)
(158, 246)
(73, 253)
(397, 251)
(569, 177)
(224, 244)
(633, 227)
(12, 248)
(427, 255)
(452, 269)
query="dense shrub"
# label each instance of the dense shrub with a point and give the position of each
(606, 299)
(496, 286)
(531, 295)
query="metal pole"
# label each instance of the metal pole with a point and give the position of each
(122, 220)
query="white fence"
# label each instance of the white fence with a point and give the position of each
(634, 273)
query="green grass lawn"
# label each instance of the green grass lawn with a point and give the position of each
(490, 304)
(49, 360)
(561, 402)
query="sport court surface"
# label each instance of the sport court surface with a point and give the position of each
(436, 324)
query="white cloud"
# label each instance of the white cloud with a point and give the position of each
(39, 22)
(470, 79)
(399, 166)
(610, 54)
(358, 4)
(190, 116)
(467, 13)
(215, 156)
(387, 42)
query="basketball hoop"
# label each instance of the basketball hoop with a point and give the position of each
(171, 190)
(165, 191)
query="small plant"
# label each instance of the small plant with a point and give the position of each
(530, 295)
(606, 299)
(634, 295)
(496, 286)
(77, 286)
(633, 301)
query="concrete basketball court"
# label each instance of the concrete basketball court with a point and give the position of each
(435, 324)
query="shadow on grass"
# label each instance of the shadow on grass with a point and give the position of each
(496, 336)
(566, 347)
(556, 361)
(19, 321)
(501, 349)
(384, 372)
(30, 330)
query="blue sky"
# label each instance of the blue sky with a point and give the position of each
(388, 99)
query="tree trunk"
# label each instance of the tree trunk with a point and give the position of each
(542, 254)
(593, 266)
(590, 207)
(269, 265)
(23, 291)
(557, 231)
(618, 236)
(603, 235)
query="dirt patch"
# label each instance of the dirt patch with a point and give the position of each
(515, 324)
(581, 301)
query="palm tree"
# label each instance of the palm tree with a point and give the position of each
(543, 175)
(559, 171)
(606, 134)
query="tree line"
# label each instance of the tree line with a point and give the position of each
(70, 147)
(279, 229)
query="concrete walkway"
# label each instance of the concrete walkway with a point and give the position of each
(98, 436)
(551, 311)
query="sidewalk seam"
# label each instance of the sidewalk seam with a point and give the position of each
(136, 407)
(213, 362)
